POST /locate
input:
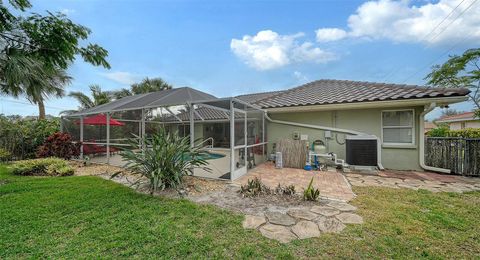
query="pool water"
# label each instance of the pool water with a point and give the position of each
(210, 156)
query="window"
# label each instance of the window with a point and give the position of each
(398, 127)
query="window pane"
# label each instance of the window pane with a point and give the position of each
(397, 118)
(397, 135)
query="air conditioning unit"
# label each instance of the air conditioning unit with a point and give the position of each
(362, 150)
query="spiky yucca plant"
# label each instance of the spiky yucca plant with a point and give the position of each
(165, 160)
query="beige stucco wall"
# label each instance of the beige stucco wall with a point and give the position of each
(364, 120)
(468, 124)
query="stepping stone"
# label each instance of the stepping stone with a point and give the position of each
(306, 229)
(330, 225)
(279, 218)
(302, 214)
(342, 206)
(253, 222)
(279, 233)
(325, 211)
(350, 218)
(407, 186)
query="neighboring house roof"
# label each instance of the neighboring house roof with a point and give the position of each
(467, 116)
(324, 91)
(254, 97)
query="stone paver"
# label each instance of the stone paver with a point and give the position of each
(279, 218)
(349, 218)
(303, 222)
(253, 222)
(306, 229)
(330, 225)
(341, 206)
(416, 180)
(302, 214)
(332, 184)
(277, 232)
(325, 210)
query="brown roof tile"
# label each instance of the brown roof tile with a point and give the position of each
(344, 91)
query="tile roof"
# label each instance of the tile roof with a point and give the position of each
(466, 116)
(324, 91)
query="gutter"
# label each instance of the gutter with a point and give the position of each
(421, 152)
(333, 129)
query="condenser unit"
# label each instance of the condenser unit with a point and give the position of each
(361, 150)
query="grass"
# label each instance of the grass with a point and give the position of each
(88, 217)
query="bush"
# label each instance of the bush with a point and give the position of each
(59, 145)
(311, 193)
(167, 159)
(5, 155)
(42, 167)
(254, 188)
(22, 137)
(445, 132)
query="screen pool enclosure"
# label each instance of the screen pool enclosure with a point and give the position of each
(230, 131)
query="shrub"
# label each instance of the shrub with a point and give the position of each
(311, 193)
(445, 132)
(441, 131)
(4, 155)
(254, 188)
(167, 159)
(42, 167)
(59, 145)
(22, 137)
(287, 190)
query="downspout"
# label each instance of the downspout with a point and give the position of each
(333, 129)
(421, 153)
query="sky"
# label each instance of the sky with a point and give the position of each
(228, 48)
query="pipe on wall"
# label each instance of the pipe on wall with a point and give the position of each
(333, 129)
(421, 152)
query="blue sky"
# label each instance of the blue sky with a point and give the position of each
(228, 48)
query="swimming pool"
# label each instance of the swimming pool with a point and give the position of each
(210, 155)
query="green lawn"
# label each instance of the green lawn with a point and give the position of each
(87, 217)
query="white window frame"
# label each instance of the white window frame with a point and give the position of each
(396, 127)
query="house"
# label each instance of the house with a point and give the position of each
(429, 126)
(382, 122)
(460, 121)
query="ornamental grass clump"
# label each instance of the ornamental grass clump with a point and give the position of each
(165, 160)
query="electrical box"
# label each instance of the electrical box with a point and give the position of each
(304, 137)
(328, 134)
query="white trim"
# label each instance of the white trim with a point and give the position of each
(412, 126)
(370, 104)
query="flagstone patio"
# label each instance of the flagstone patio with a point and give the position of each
(332, 184)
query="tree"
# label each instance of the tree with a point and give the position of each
(36, 50)
(145, 86)
(99, 97)
(460, 72)
(450, 112)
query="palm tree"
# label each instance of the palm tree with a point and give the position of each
(145, 86)
(22, 75)
(99, 97)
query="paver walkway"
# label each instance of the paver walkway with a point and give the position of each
(433, 182)
(332, 184)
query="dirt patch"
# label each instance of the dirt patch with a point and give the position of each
(94, 169)
(230, 198)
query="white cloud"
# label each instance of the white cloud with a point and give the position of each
(122, 77)
(67, 11)
(399, 21)
(330, 34)
(269, 50)
(300, 76)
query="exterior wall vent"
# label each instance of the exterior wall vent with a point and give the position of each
(361, 150)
